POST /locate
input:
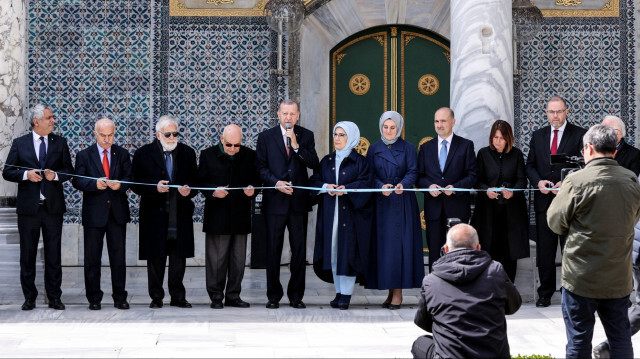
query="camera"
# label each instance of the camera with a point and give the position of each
(571, 163)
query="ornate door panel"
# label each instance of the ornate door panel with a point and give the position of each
(400, 68)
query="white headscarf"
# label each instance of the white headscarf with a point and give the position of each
(353, 138)
(399, 121)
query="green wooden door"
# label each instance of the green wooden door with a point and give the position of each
(399, 68)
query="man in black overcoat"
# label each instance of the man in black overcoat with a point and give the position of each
(559, 137)
(40, 202)
(166, 224)
(284, 154)
(227, 214)
(626, 155)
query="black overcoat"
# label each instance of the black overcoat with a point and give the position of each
(231, 214)
(354, 215)
(490, 165)
(149, 167)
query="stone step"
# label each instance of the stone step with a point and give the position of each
(9, 254)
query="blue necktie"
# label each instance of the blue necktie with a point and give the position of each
(167, 156)
(443, 155)
(42, 158)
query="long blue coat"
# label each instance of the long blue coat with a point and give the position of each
(354, 215)
(399, 259)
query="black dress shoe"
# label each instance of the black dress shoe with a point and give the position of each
(180, 303)
(56, 304)
(28, 304)
(238, 303)
(344, 302)
(298, 304)
(122, 304)
(95, 306)
(156, 303)
(216, 304)
(273, 305)
(335, 301)
(394, 306)
(543, 302)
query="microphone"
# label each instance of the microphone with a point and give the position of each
(288, 127)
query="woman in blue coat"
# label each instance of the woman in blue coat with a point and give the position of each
(398, 256)
(341, 247)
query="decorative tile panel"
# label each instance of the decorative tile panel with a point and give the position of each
(589, 62)
(129, 61)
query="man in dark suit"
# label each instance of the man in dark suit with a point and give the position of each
(559, 137)
(626, 155)
(445, 162)
(166, 224)
(40, 202)
(227, 214)
(105, 210)
(284, 153)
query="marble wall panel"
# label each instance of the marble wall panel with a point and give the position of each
(12, 80)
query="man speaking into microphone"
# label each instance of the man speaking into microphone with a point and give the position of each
(284, 153)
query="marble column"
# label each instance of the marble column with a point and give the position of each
(12, 81)
(481, 67)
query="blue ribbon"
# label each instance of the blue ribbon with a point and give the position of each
(346, 190)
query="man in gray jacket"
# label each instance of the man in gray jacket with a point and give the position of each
(476, 326)
(597, 207)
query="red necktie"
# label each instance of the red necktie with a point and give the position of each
(554, 143)
(105, 163)
(285, 144)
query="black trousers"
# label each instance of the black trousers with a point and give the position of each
(225, 256)
(296, 223)
(29, 227)
(155, 274)
(423, 347)
(116, 248)
(437, 236)
(546, 246)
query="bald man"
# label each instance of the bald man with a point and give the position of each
(105, 211)
(476, 326)
(626, 155)
(227, 214)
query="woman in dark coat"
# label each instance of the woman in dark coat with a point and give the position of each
(501, 217)
(339, 240)
(399, 259)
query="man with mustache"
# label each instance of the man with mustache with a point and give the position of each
(105, 211)
(166, 225)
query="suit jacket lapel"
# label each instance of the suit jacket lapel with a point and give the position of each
(568, 132)
(277, 136)
(386, 154)
(113, 168)
(546, 139)
(32, 152)
(51, 142)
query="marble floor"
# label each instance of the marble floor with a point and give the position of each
(365, 330)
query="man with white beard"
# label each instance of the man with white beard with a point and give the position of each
(166, 226)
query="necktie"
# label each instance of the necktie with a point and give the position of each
(168, 162)
(105, 163)
(443, 155)
(42, 158)
(285, 144)
(554, 143)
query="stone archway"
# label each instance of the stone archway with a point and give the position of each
(337, 20)
(329, 25)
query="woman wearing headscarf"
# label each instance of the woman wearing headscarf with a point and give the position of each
(399, 254)
(501, 217)
(339, 242)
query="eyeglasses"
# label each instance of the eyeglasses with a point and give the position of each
(335, 134)
(582, 150)
(169, 134)
(234, 145)
(559, 112)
